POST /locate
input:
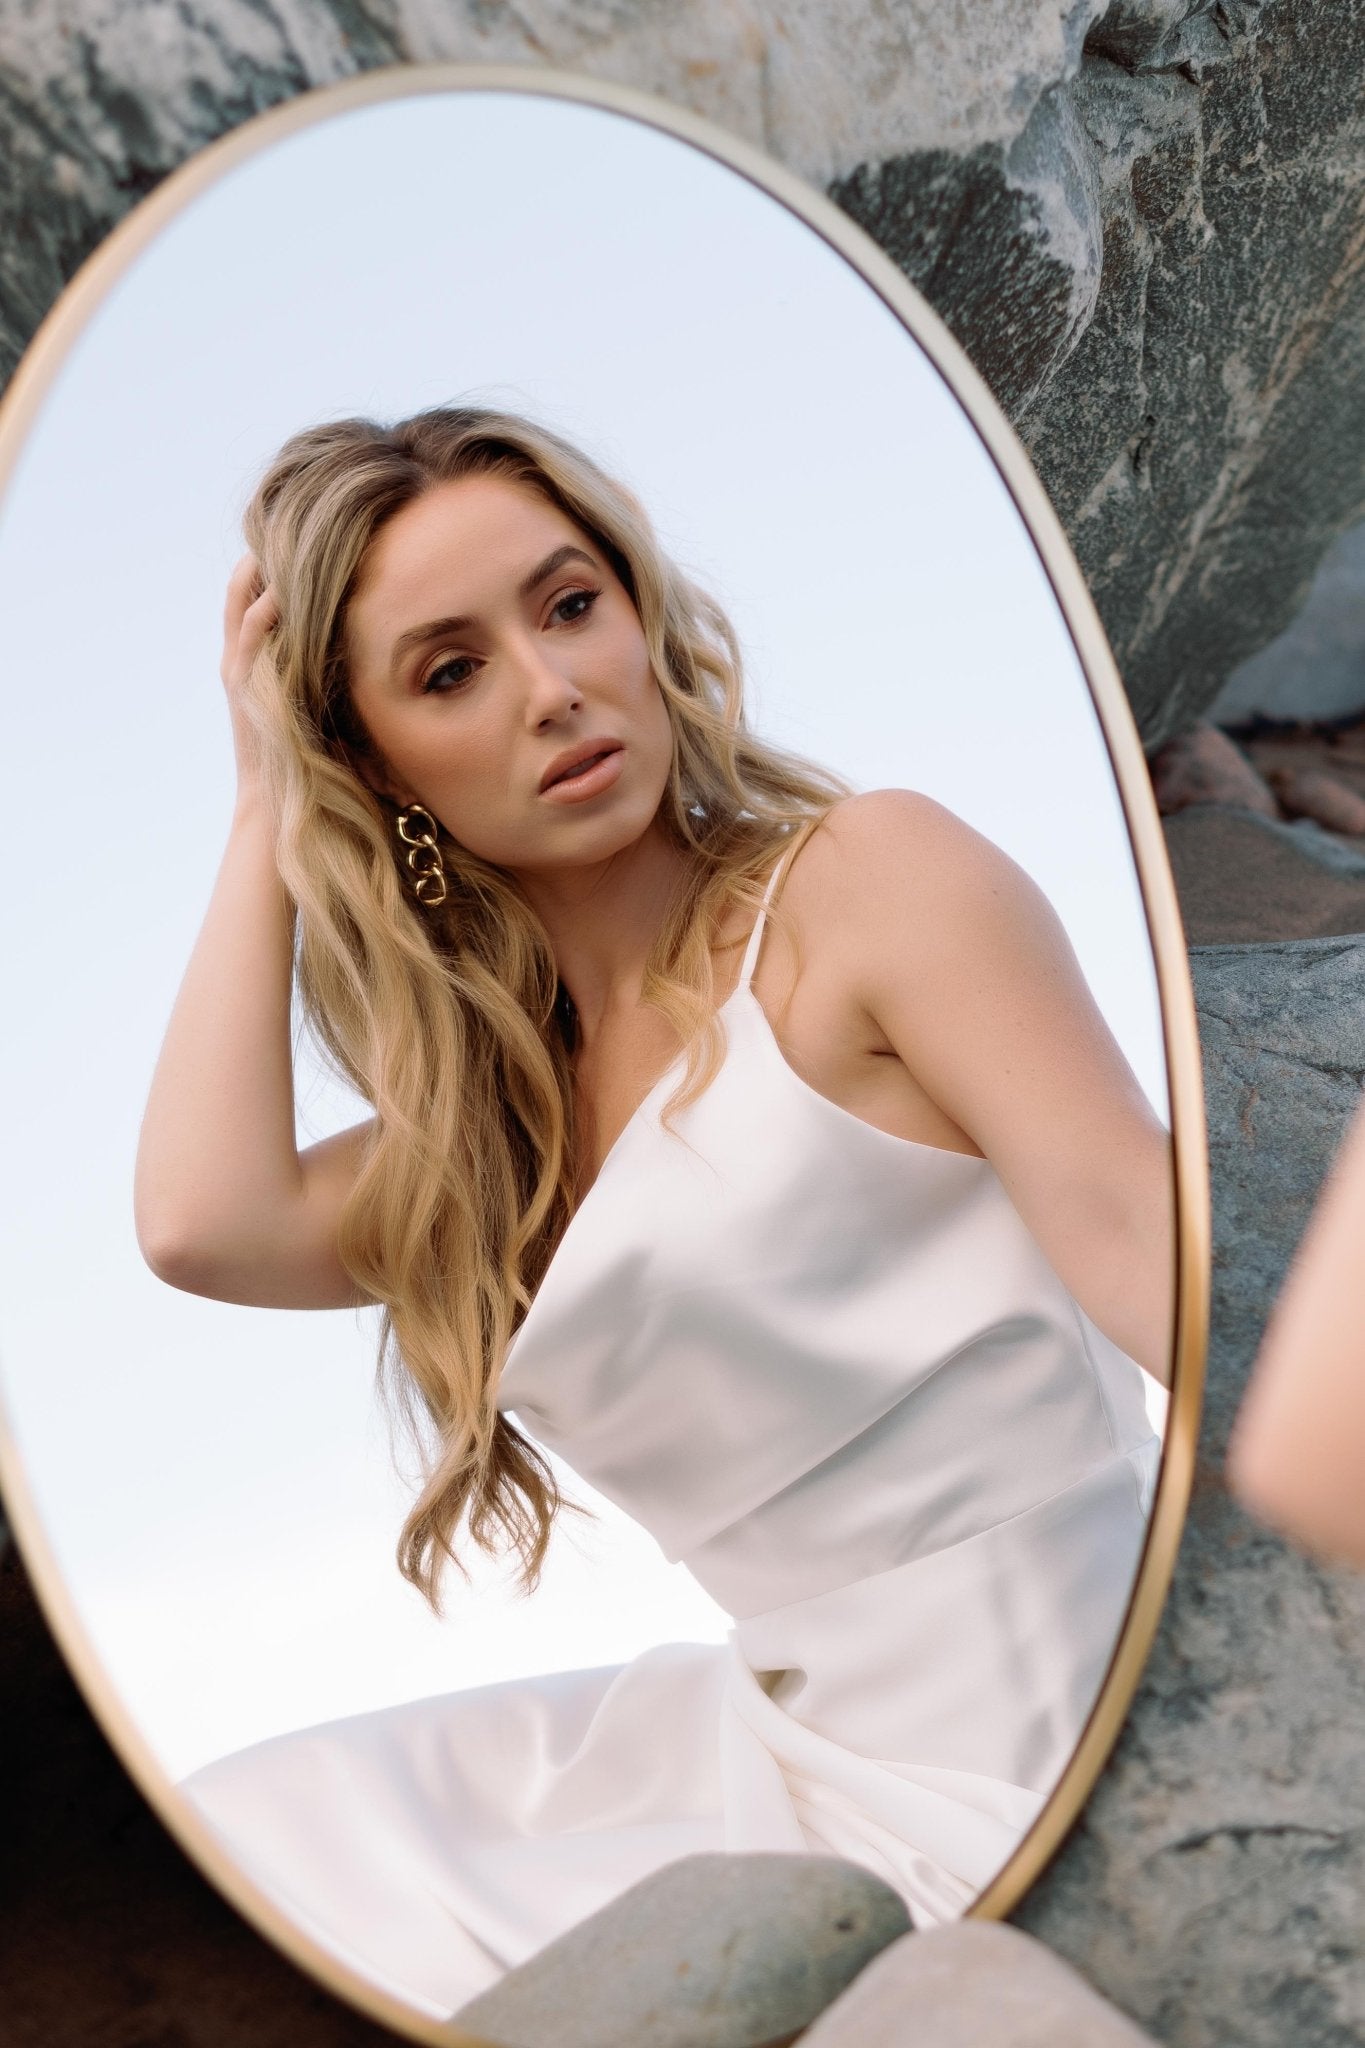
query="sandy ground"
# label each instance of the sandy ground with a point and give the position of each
(1238, 883)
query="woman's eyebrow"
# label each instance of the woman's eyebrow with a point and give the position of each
(436, 629)
(557, 560)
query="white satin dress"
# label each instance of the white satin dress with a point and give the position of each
(831, 1371)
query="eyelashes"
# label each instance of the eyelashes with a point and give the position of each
(433, 685)
(454, 674)
(587, 598)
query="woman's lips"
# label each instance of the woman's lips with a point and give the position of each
(598, 772)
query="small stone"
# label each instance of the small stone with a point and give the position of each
(1318, 794)
(977, 1984)
(1204, 766)
(715, 1951)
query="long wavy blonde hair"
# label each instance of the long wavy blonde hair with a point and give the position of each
(445, 1019)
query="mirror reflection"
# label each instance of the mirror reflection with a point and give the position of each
(653, 953)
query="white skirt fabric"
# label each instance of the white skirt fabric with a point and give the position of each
(437, 1844)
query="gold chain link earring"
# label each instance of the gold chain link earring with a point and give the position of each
(417, 829)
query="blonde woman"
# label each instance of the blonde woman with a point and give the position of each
(754, 1145)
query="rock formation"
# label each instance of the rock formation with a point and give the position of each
(1194, 399)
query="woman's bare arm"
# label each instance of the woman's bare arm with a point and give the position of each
(225, 1203)
(1297, 1457)
(967, 971)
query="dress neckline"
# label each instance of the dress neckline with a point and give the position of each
(741, 997)
(741, 988)
(742, 993)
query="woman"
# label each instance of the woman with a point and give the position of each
(827, 1258)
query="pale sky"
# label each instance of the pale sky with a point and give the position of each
(215, 1481)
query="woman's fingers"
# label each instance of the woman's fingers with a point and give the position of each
(260, 616)
(244, 585)
(249, 613)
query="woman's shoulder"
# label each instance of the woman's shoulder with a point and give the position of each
(896, 839)
(893, 876)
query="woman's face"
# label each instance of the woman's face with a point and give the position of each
(501, 671)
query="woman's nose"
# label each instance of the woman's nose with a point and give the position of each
(551, 690)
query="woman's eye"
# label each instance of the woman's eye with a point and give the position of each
(449, 676)
(452, 675)
(574, 605)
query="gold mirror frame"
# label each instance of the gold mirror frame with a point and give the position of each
(22, 402)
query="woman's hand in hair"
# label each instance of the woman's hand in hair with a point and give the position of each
(224, 1202)
(249, 615)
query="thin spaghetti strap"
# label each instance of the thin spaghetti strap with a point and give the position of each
(746, 972)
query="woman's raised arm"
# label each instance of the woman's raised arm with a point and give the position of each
(225, 1203)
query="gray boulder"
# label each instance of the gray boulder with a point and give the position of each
(1160, 273)
(711, 1952)
(98, 109)
(1205, 441)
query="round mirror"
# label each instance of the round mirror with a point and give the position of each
(859, 1360)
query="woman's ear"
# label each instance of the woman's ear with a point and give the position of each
(359, 751)
(368, 765)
